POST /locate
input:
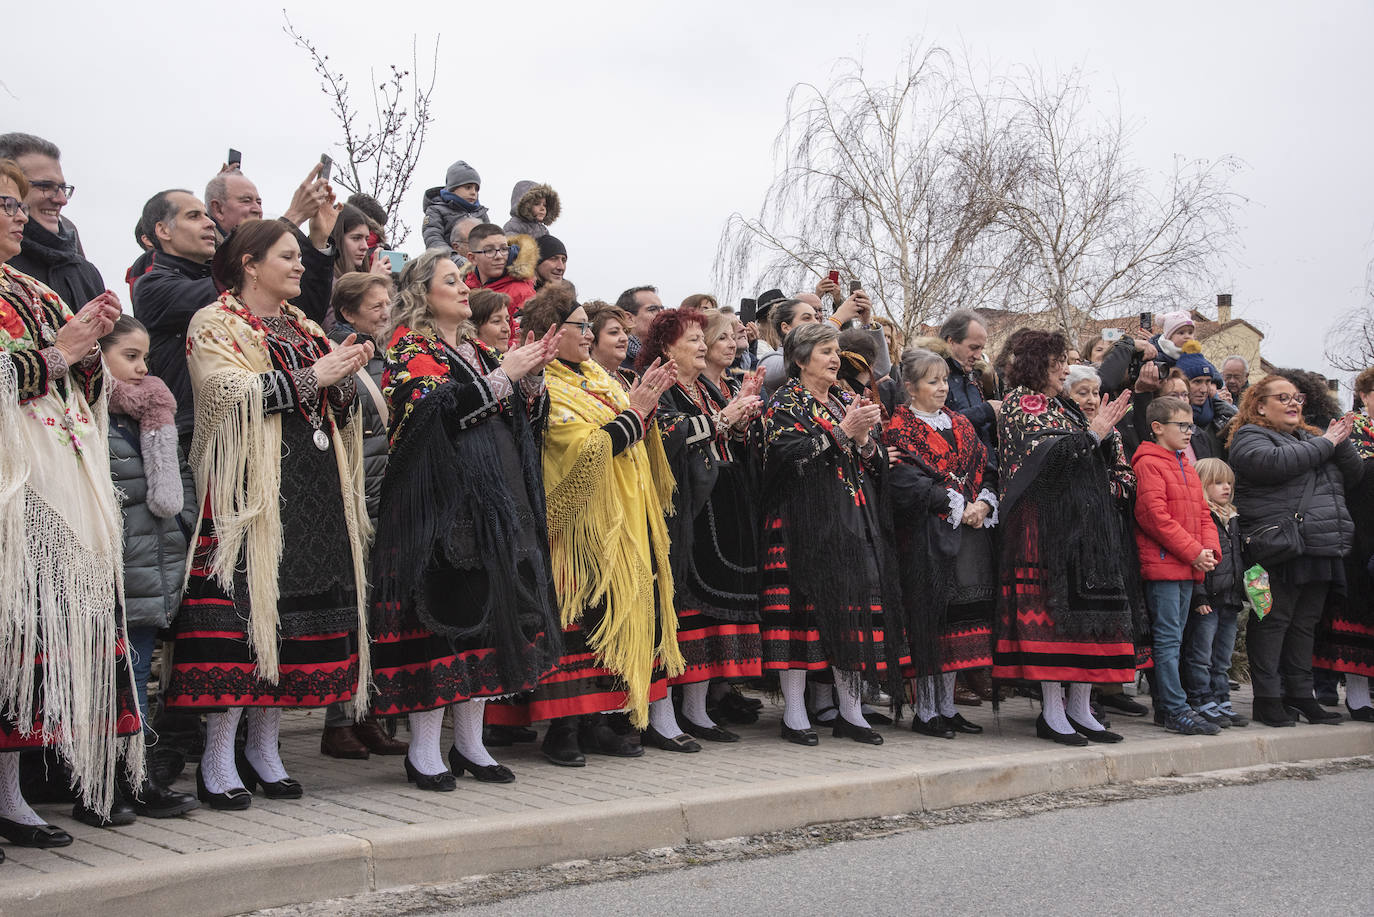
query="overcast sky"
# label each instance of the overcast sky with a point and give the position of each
(655, 121)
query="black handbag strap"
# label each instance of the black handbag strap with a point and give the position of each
(1307, 493)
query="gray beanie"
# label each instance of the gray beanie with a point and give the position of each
(460, 173)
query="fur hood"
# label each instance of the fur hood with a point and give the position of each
(936, 345)
(522, 198)
(522, 267)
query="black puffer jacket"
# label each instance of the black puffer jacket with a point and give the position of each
(966, 397)
(1224, 586)
(154, 549)
(375, 444)
(1272, 471)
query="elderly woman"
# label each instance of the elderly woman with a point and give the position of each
(65, 677)
(274, 613)
(607, 484)
(939, 503)
(822, 605)
(610, 341)
(1064, 613)
(722, 346)
(491, 318)
(464, 606)
(711, 527)
(1287, 469)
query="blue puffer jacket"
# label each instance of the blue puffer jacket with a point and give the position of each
(965, 397)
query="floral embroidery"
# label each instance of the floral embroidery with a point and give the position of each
(10, 321)
(1034, 404)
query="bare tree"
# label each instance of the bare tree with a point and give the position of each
(380, 152)
(1096, 235)
(893, 184)
(1350, 340)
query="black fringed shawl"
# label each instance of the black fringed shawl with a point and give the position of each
(449, 513)
(820, 488)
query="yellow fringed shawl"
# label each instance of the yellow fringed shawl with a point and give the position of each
(607, 536)
(236, 455)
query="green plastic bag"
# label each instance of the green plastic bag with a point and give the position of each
(1257, 588)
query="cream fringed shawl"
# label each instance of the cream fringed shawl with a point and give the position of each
(607, 535)
(236, 455)
(61, 580)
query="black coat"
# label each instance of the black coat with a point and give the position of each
(1224, 586)
(375, 442)
(1272, 471)
(966, 397)
(165, 298)
(56, 260)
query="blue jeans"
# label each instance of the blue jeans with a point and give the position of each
(1208, 643)
(1168, 601)
(142, 642)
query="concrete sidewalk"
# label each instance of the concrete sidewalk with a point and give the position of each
(361, 827)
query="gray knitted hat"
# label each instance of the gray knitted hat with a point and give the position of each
(460, 173)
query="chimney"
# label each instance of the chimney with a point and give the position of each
(1223, 308)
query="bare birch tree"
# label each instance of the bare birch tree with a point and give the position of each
(893, 184)
(1096, 235)
(382, 150)
(1350, 340)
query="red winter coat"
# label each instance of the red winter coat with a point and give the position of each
(1173, 523)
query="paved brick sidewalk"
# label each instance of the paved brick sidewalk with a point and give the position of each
(371, 799)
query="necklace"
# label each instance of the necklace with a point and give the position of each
(297, 351)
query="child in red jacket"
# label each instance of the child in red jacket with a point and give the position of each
(1178, 544)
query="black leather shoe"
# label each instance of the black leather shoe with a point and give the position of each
(843, 729)
(1271, 712)
(485, 773)
(1313, 711)
(708, 733)
(504, 736)
(959, 724)
(596, 736)
(42, 836)
(653, 738)
(235, 800)
(934, 727)
(121, 813)
(155, 801)
(560, 745)
(1095, 735)
(1122, 704)
(877, 719)
(286, 788)
(1363, 714)
(1043, 730)
(800, 736)
(442, 782)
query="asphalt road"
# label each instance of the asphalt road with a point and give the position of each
(1281, 847)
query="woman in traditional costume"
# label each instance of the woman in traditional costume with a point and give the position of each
(463, 608)
(822, 584)
(712, 529)
(1064, 609)
(65, 674)
(274, 613)
(940, 506)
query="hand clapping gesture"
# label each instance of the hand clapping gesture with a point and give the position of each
(532, 356)
(344, 360)
(78, 337)
(1110, 414)
(860, 419)
(657, 379)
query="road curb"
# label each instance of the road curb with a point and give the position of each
(235, 880)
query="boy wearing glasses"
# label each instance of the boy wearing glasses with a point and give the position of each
(501, 263)
(1178, 545)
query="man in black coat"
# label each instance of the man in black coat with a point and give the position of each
(967, 337)
(51, 251)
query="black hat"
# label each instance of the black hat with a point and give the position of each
(551, 247)
(766, 301)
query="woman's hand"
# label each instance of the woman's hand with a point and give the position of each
(1148, 380)
(1203, 609)
(656, 380)
(343, 361)
(381, 265)
(1110, 414)
(752, 385)
(856, 306)
(78, 337)
(975, 514)
(742, 409)
(531, 356)
(860, 419)
(1205, 561)
(1338, 431)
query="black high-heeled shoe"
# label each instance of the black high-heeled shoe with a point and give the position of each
(485, 773)
(843, 729)
(443, 782)
(1363, 714)
(1044, 731)
(1271, 712)
(286, 788)
(1095, 735)
(806, 737)
(1313, 711)
(234, 800)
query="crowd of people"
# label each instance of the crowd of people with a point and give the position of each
(303, 470)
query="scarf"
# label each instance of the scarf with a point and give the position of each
(1204, 414)
(448, 197)
(153, 406)
(236, 455)
(607, 535)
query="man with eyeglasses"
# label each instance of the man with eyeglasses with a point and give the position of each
(501, 263)
(645, 305)
(51, 250)
(1211, 413)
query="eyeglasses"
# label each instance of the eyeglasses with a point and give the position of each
(503, 251)
(12, 205)
(1289, 397)
(50, 187)
(1184, 425)
(582, 327)
(652, 310)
